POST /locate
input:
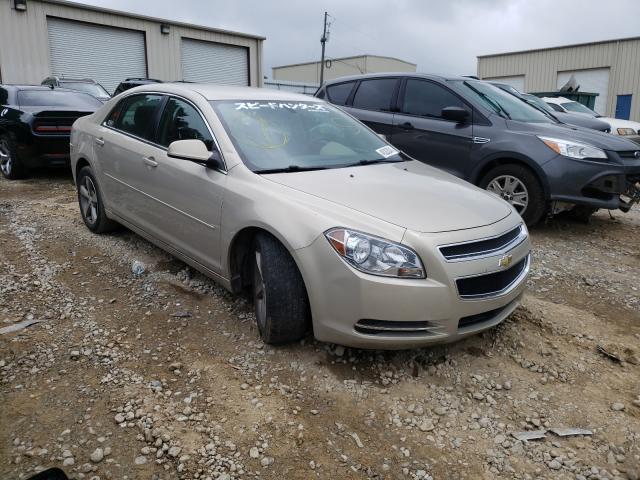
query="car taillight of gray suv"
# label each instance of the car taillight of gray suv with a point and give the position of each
(488, 137)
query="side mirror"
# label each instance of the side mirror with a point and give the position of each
(457, 114)
(195, 151)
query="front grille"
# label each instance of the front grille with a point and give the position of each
(628, 154)
(487, 246)
(385, 327)
(481, 317)
(491, 284)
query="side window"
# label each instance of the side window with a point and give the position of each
(375, 94)
(338, 94)
(135, 115)
(181, 121)
(427, 99)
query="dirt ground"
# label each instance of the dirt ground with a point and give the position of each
(164, 376)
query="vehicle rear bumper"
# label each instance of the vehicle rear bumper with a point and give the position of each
(45, 152)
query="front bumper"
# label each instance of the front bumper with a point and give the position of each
(359, 310)
(609, 185)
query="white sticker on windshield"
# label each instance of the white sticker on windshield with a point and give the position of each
(310, 107)
(387, 151)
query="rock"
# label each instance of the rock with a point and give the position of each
(554, 465)
(119, 418)
(97, 455)
(426, 426)
(254, 453)
(266, 461)
(499, 439)
(68, 462)
(632, 474)
(617, 407)
(174, 451)
(74, 354)
(141, 460)
(339, 351)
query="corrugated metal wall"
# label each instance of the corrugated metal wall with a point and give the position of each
(24, 43)
(541, 68)
(310, 72)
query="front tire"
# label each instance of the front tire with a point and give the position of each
(520, 187)
(10, 165)
(91, 203)
(279, 295)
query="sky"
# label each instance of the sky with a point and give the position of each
(440, 36)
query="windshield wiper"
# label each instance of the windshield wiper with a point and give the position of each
(290, 168)
(378, 160)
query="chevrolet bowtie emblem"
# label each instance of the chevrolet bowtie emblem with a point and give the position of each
(505, 261)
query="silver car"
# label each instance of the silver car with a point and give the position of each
(291, 200)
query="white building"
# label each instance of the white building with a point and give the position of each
(39, 38)
(610, 68)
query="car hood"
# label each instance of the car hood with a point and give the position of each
(407, 194)
(582, 121)
(602, 140)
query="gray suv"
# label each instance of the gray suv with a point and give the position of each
(488, 137)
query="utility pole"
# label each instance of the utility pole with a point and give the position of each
(323, 41)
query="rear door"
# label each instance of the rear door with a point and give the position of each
(422, 132)
(126, 155)
(372, 103)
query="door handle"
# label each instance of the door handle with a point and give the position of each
(406, 126)
(99, 142)
(150, 161)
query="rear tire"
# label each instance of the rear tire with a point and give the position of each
(91, 203)
(529, 187)
(279, 295)
(10, 165)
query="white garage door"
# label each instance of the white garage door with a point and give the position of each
(208, 62)
(594, 80)
(105, 54)
(516, 81)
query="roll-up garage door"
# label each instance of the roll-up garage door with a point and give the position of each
(105, 54)
(594, 80)
(208, 62)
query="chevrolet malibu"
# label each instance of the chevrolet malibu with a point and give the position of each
(294, 202)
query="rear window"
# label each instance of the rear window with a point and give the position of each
(56, 98)
(375, 94)
(338, 94)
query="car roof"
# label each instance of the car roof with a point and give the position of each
(398, 74)
(219, 92)
(29, 87)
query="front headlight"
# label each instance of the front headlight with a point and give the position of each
(626, 131)
(375, 255)
(573, 149)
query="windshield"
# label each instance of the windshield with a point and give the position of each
(90, 88)
(579, 108)
(503, 103)
(57, 98)
(538, 102)
(288, 136)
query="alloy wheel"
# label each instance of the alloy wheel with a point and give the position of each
(510, 189)
(6, 161)
(89, 200)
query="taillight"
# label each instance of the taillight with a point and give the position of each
(52, 129)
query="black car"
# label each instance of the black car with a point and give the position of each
(575, 119)
(487, 136)
(84, 85)
(35, 124)
(133, 82)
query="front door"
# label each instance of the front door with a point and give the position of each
(421, 132)
(187, 196)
